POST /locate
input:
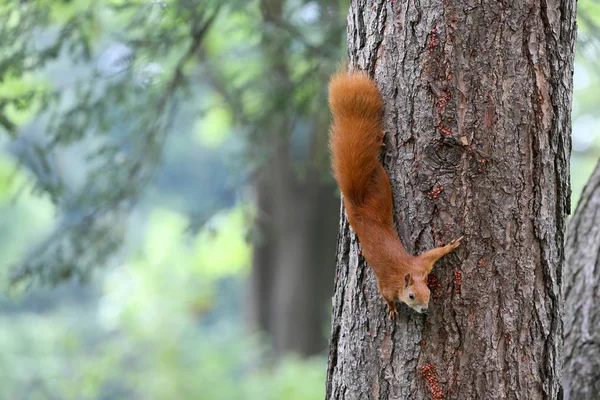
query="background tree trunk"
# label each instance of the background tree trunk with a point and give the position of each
(291, 280)
(292, 269)
(582, 291)
(477, 106)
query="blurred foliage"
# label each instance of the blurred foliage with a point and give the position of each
(122, 102)
(139, 71)
(157, 331)
(128, 127)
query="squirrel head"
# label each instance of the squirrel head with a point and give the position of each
(415, 293)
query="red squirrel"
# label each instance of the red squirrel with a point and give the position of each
(355, 140)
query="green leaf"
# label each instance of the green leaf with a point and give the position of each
(221, 248)
(163, 235)
(213, 128)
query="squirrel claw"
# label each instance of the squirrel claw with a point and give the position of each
(391, 312)
(456, 242)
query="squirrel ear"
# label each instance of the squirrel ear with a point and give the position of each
(406, 280)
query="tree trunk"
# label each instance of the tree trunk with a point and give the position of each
(293, 254)
(297, 218)
(477, 121)
(293, 263)
(582, 291)
(263, 269)
(303, 267)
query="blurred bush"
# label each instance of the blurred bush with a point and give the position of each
(157, 330)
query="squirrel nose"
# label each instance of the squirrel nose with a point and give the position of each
(424, 309)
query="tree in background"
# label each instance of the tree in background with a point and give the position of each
(580, 281)
(581, 291)
(296, 201)
(140, 69)
(477, 120)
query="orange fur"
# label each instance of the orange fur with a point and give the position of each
(355, 139)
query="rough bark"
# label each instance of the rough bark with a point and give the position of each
(582, 291)
(478, 99)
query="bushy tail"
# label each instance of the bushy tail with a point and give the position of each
(356, 133)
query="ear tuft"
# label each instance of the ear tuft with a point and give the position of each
(406, 280)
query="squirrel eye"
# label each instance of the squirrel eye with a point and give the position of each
(411, 296)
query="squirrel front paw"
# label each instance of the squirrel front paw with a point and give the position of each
(455, 243)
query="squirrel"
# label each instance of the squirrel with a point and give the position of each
(355, 140)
